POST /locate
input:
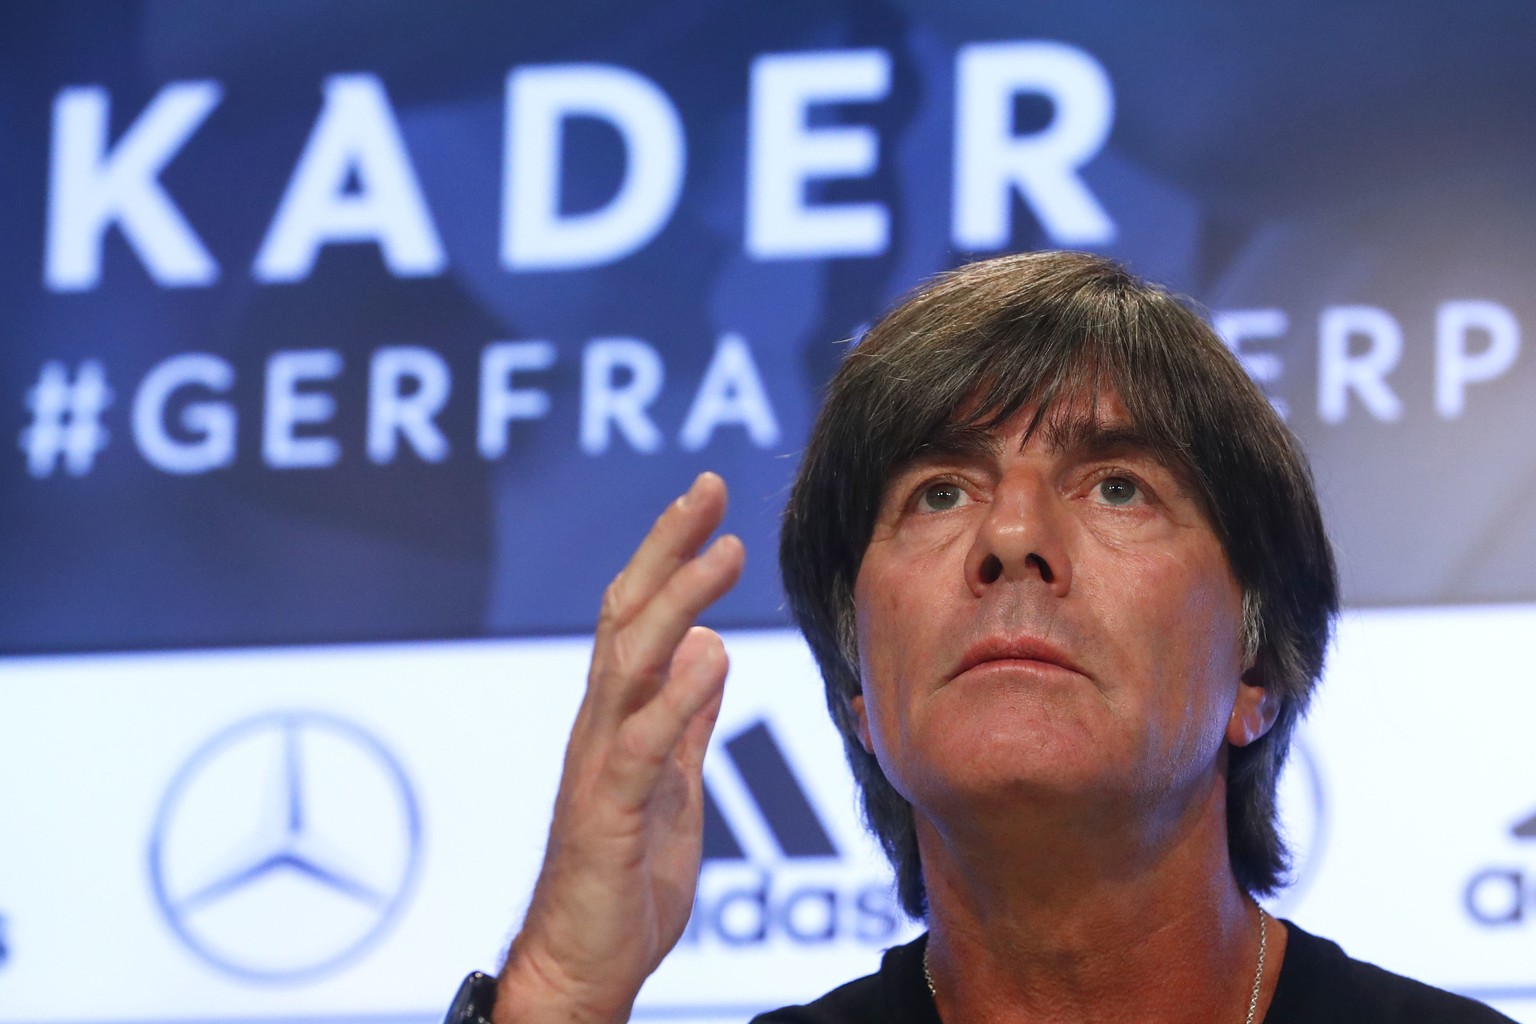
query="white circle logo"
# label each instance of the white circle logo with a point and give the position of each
(285, 846)
(1303, 820)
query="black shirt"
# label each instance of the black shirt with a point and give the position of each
(1319, 984)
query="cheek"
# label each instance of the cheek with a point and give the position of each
(880, 611)
(1179, 620)
(890, 620)
(1205, 649)
(1214, 610)
(1187, 597)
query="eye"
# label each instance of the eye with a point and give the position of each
(941, 496)
(1118, 490)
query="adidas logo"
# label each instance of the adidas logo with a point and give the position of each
(1525, 829)
(1504, 895)
(772, 872)
(775, 794)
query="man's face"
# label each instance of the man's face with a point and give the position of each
(1049, 621)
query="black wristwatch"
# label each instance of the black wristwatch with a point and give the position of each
(474, 1001)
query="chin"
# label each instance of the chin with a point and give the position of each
(1048, 725)
(1003, 763)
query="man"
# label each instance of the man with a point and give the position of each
(1066, 580)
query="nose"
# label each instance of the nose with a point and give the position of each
(1021, 538)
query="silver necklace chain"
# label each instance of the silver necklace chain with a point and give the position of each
(1253, 1000)
(1258, 972)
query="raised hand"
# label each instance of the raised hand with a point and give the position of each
(619, 871)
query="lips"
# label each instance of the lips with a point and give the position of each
(997, 649)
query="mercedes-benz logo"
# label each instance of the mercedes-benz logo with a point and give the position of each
(285, 846)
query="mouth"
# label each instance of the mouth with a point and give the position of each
(1014, 651)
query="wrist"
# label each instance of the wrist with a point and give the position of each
(527, 994)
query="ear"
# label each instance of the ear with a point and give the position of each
(1253, 714)
(862, 722)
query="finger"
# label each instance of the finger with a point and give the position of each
(683, 712)
(699, 642)
(631, 666)
(674, 538)
(695, 742)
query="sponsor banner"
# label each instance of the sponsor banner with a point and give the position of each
(1423, 761)
(361, 341)
(343, 832)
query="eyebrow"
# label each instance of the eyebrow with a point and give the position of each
(1089, 438)
(1077, 435)
(1080, 437)
(953, 441)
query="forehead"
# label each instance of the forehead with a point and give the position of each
(1085, 422)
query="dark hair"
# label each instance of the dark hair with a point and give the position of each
(971, 349)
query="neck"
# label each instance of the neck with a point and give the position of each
(1068, 921)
